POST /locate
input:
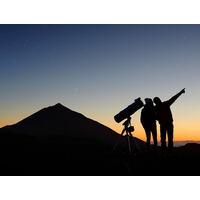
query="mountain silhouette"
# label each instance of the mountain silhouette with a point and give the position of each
(60, 120)
(57, 141)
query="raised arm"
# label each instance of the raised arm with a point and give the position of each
(173, 99)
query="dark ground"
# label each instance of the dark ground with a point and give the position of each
(25, 155)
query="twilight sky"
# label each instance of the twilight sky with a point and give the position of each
(98, 70)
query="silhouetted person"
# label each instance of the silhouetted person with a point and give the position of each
(165, 119)
(148, 120)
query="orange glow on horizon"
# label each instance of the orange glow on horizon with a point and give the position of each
(182, 131)
(6, 122)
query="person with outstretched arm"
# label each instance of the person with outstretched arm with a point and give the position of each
(165, 119)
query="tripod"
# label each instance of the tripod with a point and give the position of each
(128, 129)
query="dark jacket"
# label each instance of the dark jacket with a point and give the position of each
(148, 116)
(163, 111)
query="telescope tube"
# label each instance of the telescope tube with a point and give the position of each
(127, 112)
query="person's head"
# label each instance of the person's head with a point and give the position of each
(148, 102)
(157, 100)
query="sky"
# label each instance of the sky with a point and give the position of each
(98, 70)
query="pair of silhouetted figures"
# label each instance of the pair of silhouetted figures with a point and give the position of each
(162, 113)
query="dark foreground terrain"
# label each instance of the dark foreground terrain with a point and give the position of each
(24, 155)
(59, 141)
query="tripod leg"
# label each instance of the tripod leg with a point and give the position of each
(116, 144)
(129, 144)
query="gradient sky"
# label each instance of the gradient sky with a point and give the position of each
(98, 70)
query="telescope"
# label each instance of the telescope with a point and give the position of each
(131, 109)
